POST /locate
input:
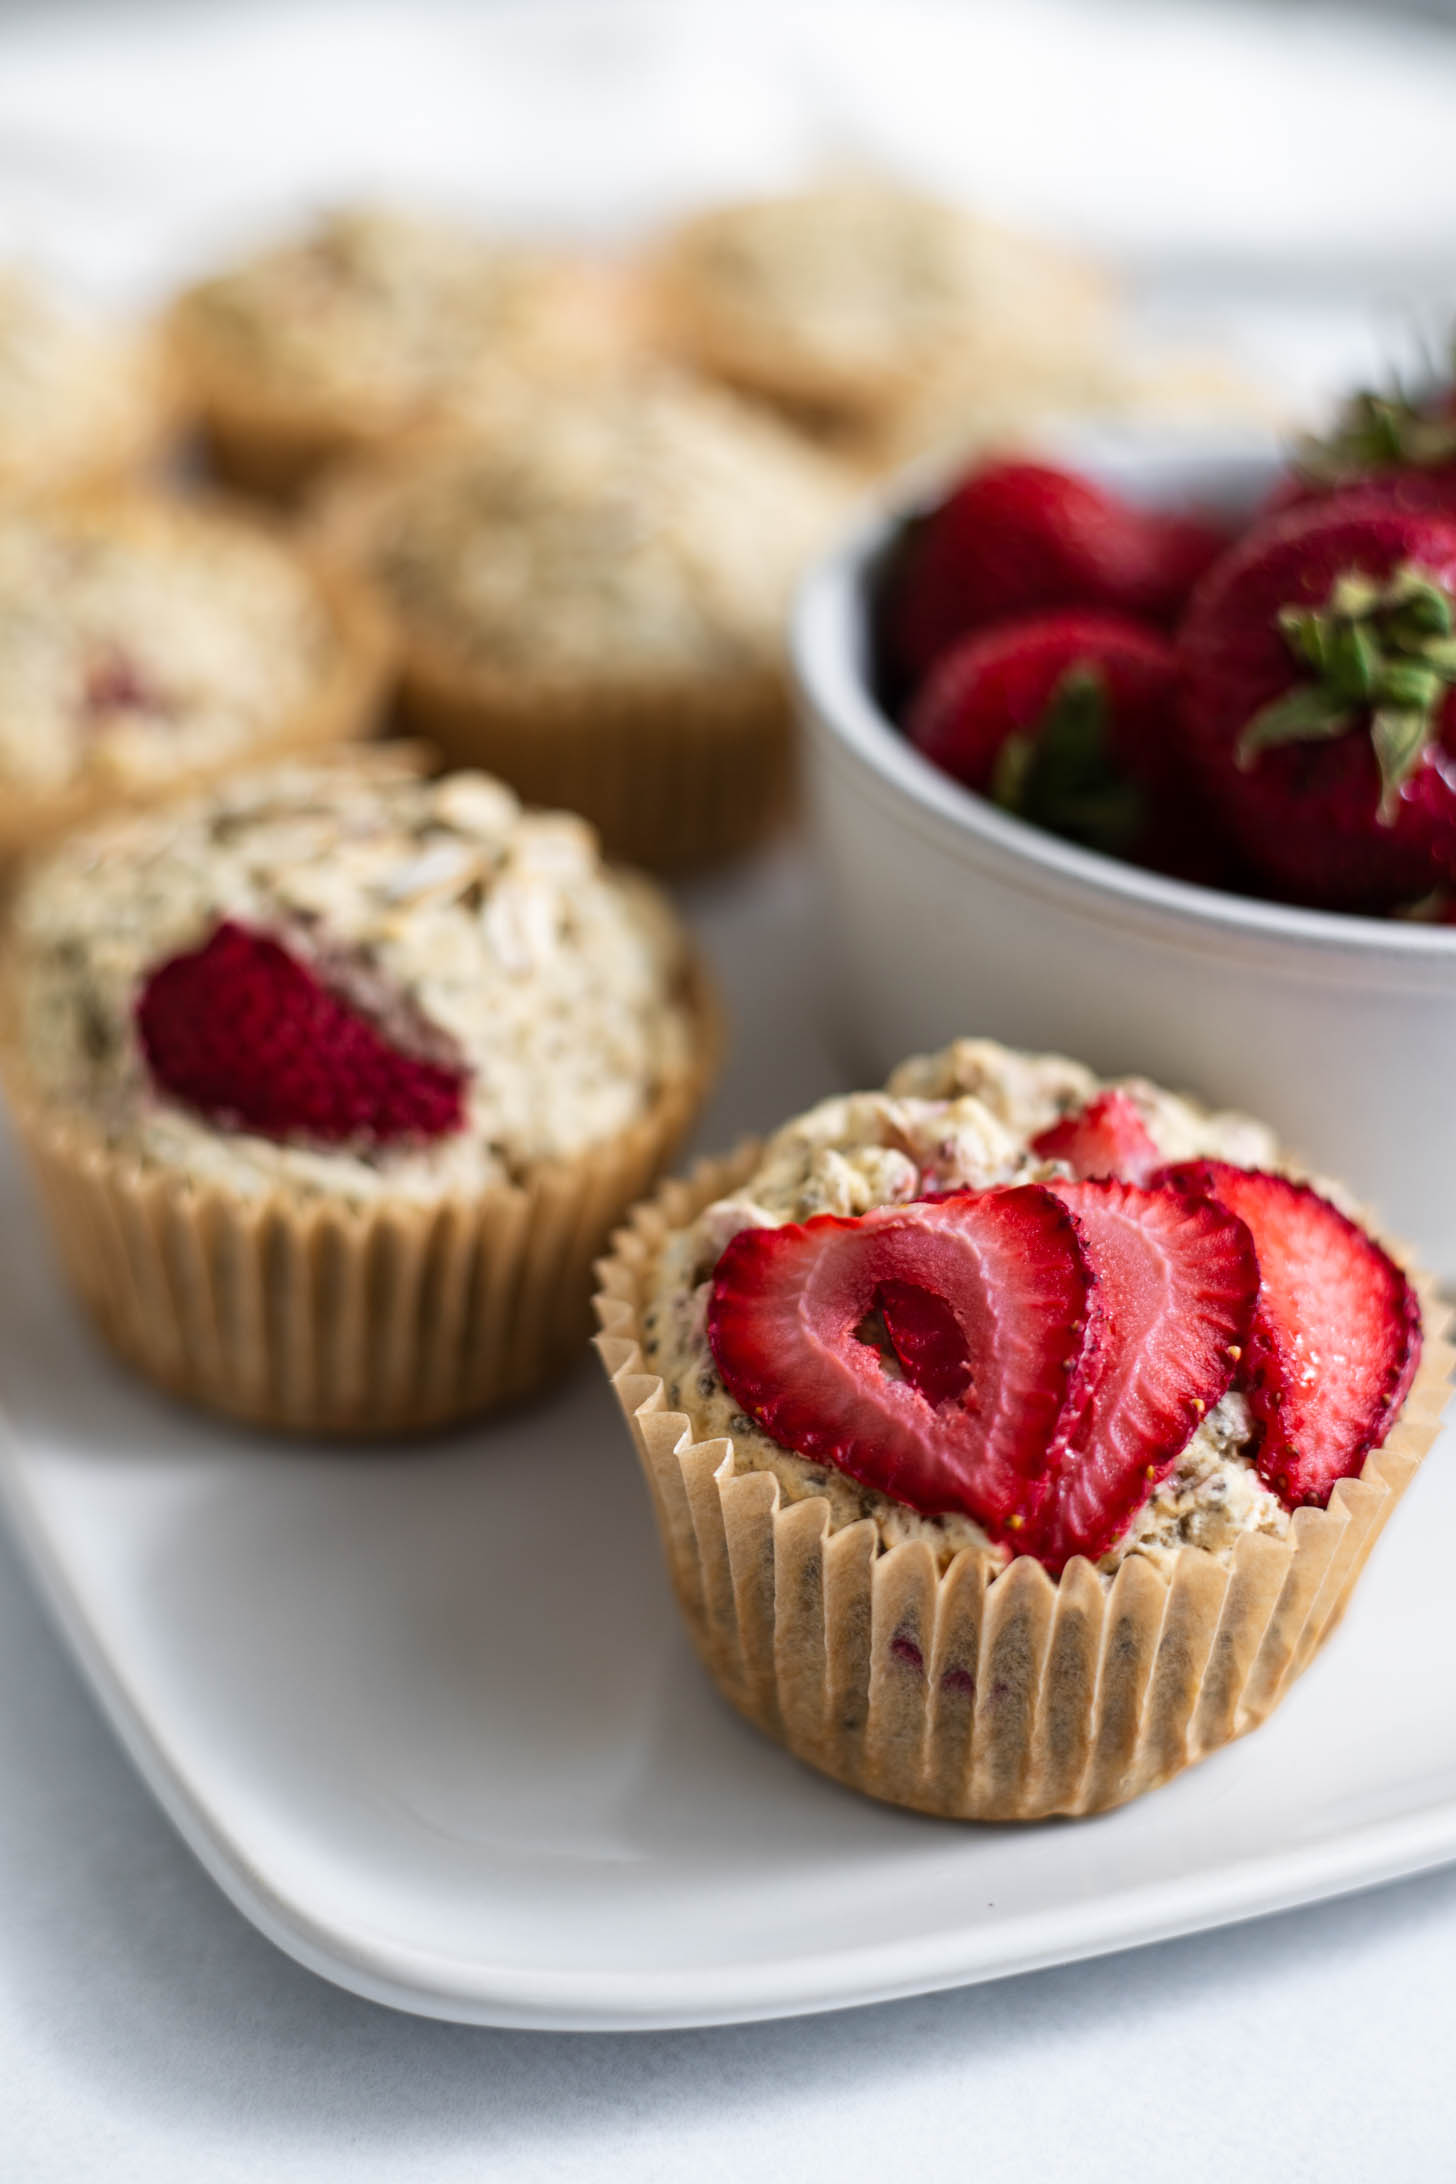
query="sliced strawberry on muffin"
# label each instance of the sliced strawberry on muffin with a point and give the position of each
(932, 1351)
(1020, 538)
(1175, 1295)
(1318, 663)
(241, 1031)
(1336, 1338)
(1107, 1137)
(983, 1355)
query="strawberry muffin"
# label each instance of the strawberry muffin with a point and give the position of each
(79, 403)
(335, 1078)
(335, 341)
(1015, 1437)
(590, 598)
(146, 644)
(844, 304)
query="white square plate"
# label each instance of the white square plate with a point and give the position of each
(427, 1717)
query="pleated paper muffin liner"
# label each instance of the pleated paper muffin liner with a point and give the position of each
(302, 1314)
(346, 705)
(677, 771)
(982, 1691)
(674, 776)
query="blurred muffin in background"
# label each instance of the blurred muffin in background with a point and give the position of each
(333, 342)
(148, 644)
(589, 595)
(80, 403)
(1182, 389)
(335, 1081)
(842, 302)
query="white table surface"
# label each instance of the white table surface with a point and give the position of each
(146, 2032)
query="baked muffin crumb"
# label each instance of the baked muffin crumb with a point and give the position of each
(455, 921)
(961, 1118)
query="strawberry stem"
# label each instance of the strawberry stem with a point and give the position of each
(1382, 648)
(1378, 432)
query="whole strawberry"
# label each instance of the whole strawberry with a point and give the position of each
(1018, 538)
(243, 1032)
(1317, 669)
(1065, 719)
(1398, 451)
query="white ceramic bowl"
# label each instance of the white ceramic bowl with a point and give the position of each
(952, 917)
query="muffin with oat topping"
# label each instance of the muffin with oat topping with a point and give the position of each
(80, 404)
(334, 341)
(146, 644)
(843, 303)
(590, 598)
(1015, 1438)
(334, 1079)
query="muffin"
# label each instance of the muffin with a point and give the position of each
(146, 644)
(334, 1079)
(80, 404)
(1014, 1438)
(333, 342)
(589, 597)
(843, 303)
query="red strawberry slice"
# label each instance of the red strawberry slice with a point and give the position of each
(986, 1300)
(245, 1034)
(1107, 1137)
(1175, 1294)
(116, 683)
(1336, 1338)
(1018, 538)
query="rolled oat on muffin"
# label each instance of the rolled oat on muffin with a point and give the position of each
(147, 644)
(334, 1080)
(333, 342)
(1015, 1438)
(590, 596)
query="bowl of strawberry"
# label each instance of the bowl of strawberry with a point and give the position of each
(1150, 754)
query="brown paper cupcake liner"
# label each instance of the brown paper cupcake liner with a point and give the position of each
(677, 772)
(982, 1691)
(673, 778)
(303, 1315)
(347, 705)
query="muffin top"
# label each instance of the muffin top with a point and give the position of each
(340, 978)
(650, 532)
(77, 401)
(847, 295)
(142, 638)
(373, 312)
(980, 1117)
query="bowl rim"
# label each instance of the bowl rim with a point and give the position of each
(828, 644)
